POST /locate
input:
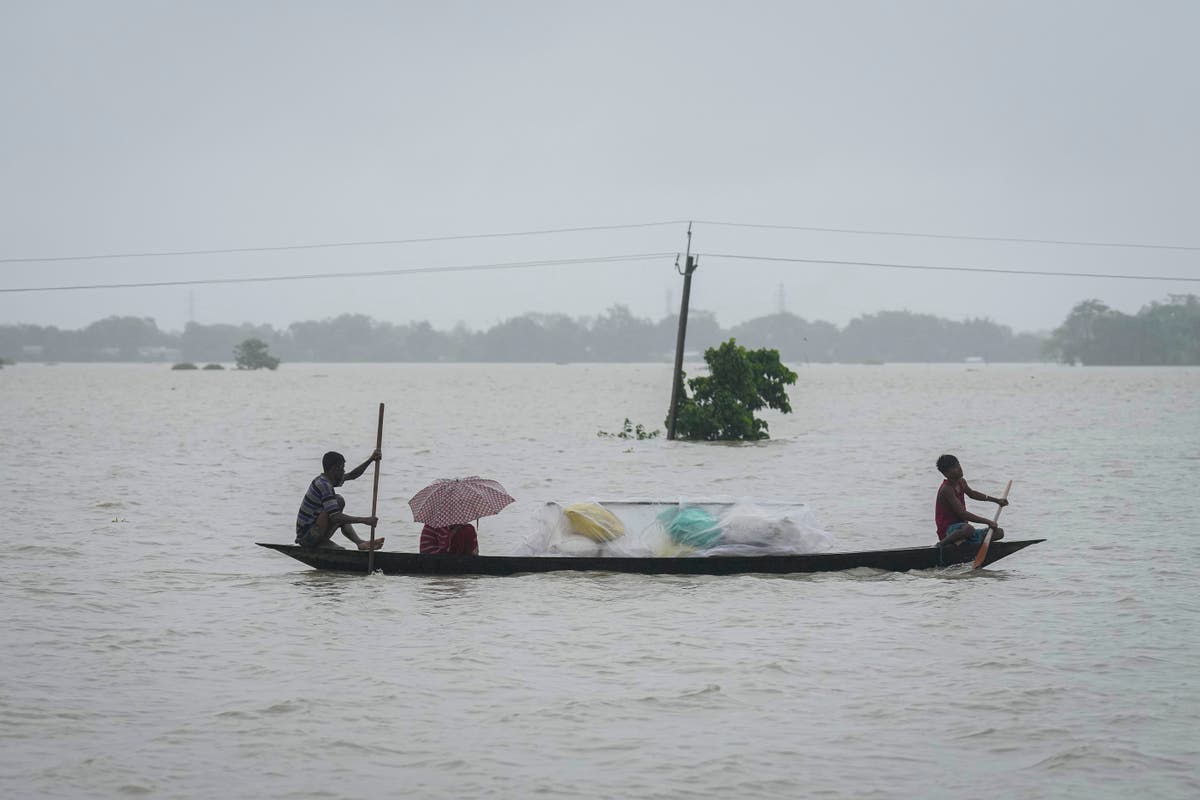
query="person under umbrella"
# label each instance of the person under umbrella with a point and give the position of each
(447, 507)
(450, 540)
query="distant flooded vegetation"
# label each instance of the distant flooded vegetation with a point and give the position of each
(189, 365)
(1164, 333)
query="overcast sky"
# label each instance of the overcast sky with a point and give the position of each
(135, 127)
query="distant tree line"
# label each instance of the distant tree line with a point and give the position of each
(615, 336)
(1162, 333)
(1166, 333)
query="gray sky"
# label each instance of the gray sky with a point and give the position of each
(131, 127)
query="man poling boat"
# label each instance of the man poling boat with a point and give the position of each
(323, 511)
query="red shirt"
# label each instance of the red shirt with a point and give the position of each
(455, 540)
(943, 514)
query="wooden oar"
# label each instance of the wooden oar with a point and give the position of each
(375, 492)
(981, 556)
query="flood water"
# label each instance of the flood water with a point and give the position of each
(150, 648)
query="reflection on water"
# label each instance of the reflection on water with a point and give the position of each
(323, 586)
(444, 591)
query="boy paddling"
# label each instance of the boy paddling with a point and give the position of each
(950, 511)
(322, 511)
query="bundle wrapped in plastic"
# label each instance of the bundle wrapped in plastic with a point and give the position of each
(748, 529)
(690, 526)
(579, 529)
(594, 521)
(663, 529)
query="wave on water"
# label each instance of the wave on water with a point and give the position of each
(279, 708)
(1109, 756)
(706, 692)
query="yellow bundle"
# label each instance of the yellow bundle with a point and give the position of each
(594, 521)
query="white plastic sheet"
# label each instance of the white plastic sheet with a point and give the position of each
(686, 529)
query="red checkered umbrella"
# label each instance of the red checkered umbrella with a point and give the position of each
(456, 501)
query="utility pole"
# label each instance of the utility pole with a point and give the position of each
(690, 264)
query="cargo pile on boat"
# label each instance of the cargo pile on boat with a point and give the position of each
(663, 529)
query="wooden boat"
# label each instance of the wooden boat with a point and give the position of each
(902, 560)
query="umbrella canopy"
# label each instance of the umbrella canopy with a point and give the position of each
(456, 501)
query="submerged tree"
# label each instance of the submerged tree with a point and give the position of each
(252, 354)
(1160, 334)
(740, 382)
(1075, 339)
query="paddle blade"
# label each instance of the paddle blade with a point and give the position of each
(981, 556)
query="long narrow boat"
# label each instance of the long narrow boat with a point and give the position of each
(902, 560)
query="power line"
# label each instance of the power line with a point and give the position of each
(371, 274)
(593, 260)
(992, 270)
(326, 245)
(1071, 242)
(580, 229)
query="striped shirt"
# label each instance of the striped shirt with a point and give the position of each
(318, 498)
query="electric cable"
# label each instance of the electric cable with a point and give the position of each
(363, 274)
(986, 270)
